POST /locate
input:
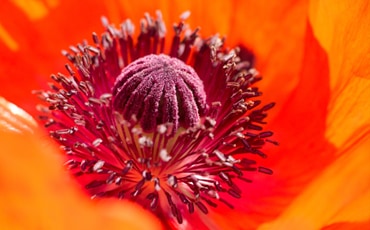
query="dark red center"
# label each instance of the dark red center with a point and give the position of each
(159, 89)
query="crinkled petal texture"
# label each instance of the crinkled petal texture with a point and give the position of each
(338, 197)
(36, 193)
(315, 60)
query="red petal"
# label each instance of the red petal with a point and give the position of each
(36, 193)
(341, 193)
(276, 34)
(303, 152)
(39, 40)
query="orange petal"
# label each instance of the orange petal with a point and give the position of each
(303, 152)
(343, 30)
(30, 46)
(213, 16)
(14, 119)
(340, 194)
(348, 226)
(36, 193)
(275, 32)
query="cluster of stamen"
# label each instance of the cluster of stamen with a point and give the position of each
(114, 121)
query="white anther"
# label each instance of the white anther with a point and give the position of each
(216, 41)
(161, 129)
(214, 194)
(118, 180)
(201, 180)
(105, 96)
(228, 164)
(185, 15)
(163, 154)
(144, 173)
(211, 121)
(161, 26)
(253, 71)
(97, 142)
(232, 159)
(135, 130)
(250, 103)
(145, 142)
(181, 49)
(129, 26)
(220, 155)
(157, 187)
(171, 180)
(198, 43)
(98, 165)
(104, 21)
(228, 56)
(148, 18)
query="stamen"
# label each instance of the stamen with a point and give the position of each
(170, 129)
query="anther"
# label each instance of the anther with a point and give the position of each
(135, 123)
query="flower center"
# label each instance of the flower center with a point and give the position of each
(158, 89)
(136, 124)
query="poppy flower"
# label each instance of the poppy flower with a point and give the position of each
(318, 71)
